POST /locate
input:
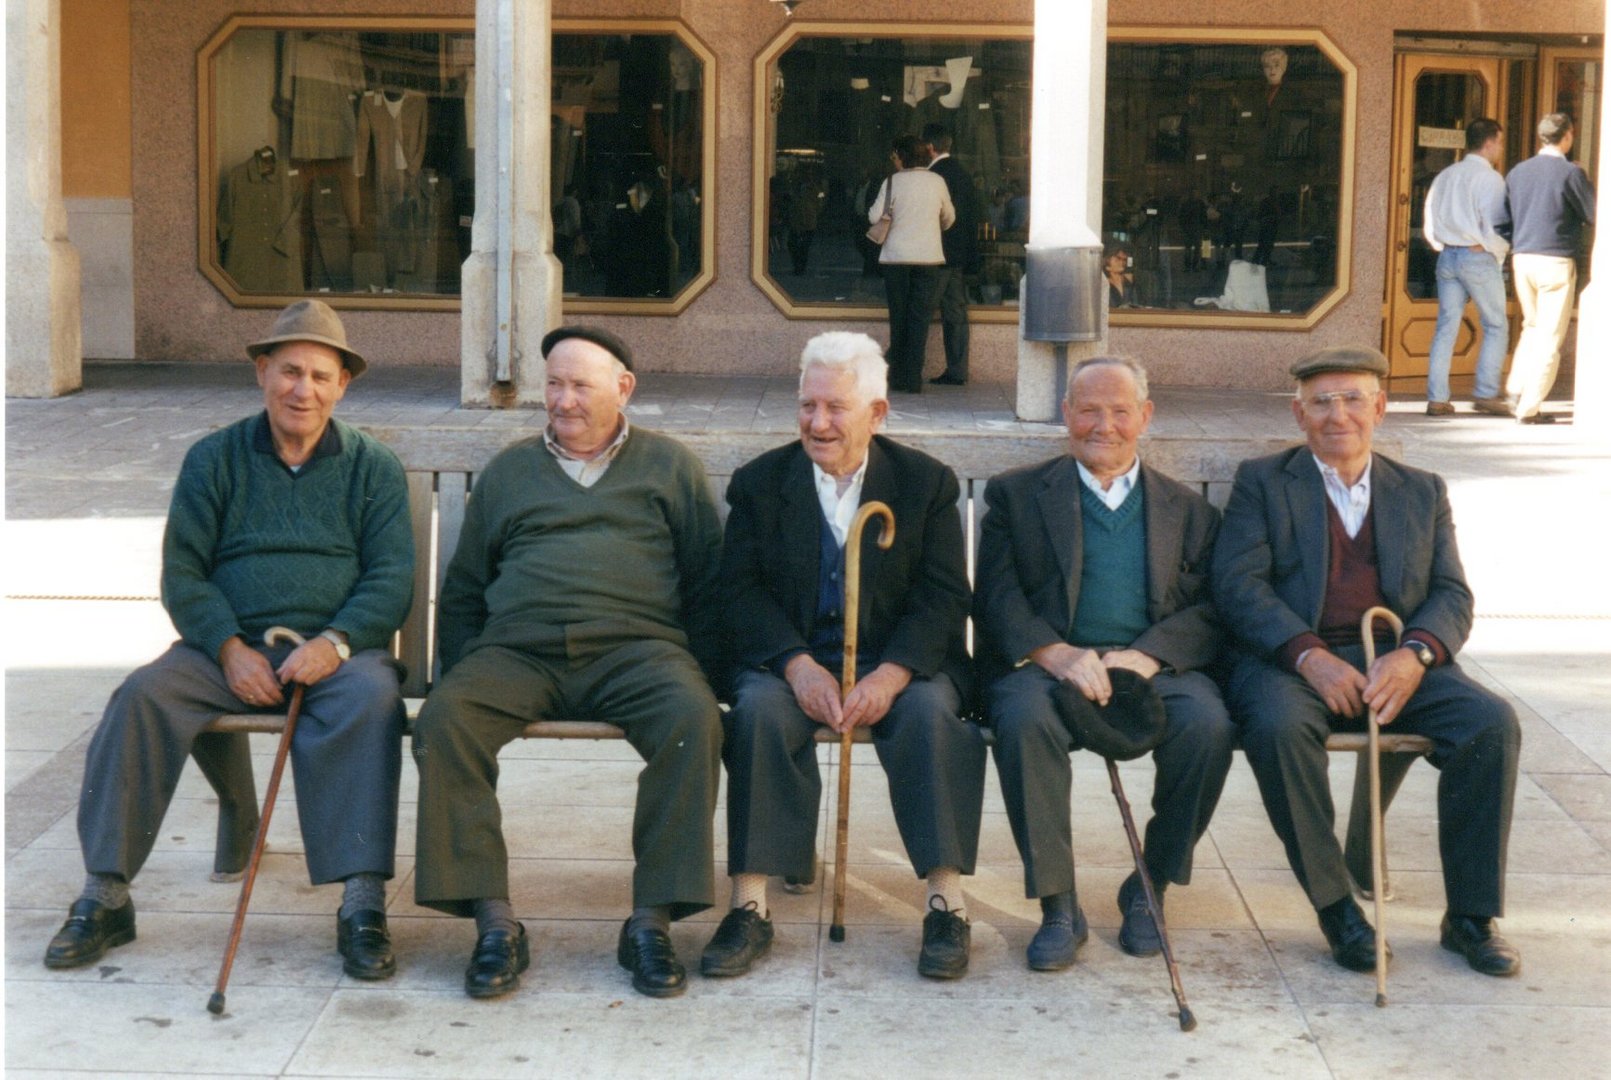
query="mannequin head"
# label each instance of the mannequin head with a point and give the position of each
(1274, 62)
(682, 65)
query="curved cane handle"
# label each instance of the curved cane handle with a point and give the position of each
(276, 634)
(1367, 624)
(886, 537)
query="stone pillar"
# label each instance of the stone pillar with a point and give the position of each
(1592, 380)
(44, 336)
(511, 281)
(1065, 171)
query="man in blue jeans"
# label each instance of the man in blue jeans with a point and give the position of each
(1465, 216)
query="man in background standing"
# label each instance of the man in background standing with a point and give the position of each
(961, 245)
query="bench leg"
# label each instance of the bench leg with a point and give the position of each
(226, 761)
(1356, 849)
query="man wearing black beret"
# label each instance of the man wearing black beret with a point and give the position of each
(1313, 537)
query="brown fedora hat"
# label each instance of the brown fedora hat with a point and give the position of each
(310, 320)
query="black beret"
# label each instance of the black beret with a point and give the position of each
(1129, 725)
(1359, 358)
(597, 335)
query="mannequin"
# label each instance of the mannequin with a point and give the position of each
(260, 225)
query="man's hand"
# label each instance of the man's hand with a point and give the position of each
(815, 690)
(309, 662)
(1340, 685)
(869, 700)
(1132, 660)
(1082, 667)
(248, 674)
(1391, 681)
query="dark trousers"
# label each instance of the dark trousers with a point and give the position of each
(346, 759)
(933, 759)
(652, 689)
(909, 291)
(952, 289)
(1476, 743)
(1032, 760)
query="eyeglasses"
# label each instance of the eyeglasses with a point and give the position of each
(1354, 401)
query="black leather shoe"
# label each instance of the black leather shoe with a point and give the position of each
(1352, 941)
(946, 937)
(497, 962)
(91, 928)
(1478, 941)
(1138, 935)
(948, 380)
(1063, 930)
(648, 954)
(365, 945)
(1537, 418)
(742, 938)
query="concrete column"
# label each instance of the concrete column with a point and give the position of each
(44, 337)
(1065, 172)
(1592, 381)
(511, 281)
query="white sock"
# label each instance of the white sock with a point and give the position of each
(946, 883)
(750, 889)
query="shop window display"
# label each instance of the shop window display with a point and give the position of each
(338, 159)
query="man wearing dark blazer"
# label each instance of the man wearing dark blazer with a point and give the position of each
(1312, 538)
(783, 570)
(1091, 562)
(961, 245)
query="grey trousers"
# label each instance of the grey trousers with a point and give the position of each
(1476, 746)
(934, 761)
(346, 760)
(653, 689)
(952, 293)
(1032, 760)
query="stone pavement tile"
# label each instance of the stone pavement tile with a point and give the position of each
(181, 951)
(64, 1074)
(20, 764)
(139, 1031)
(1361, 1042)
(1594, 744)
(49, 708)
(621, 1033)
(1068, 1035)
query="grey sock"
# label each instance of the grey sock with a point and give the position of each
(108, 890)
(364, 892)
(495, 913)
(650, 918)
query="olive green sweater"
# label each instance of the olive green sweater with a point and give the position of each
(553, 568)
(251, 544)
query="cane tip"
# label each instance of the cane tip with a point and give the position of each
(215, 1004)
(1381, 1001)
(836, 933)
(1188, 1022)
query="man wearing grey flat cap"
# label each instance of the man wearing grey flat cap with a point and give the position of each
(1312, 538)
(286, 518)
(584, 584)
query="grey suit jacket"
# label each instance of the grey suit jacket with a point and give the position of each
(1270, 563)
(1030, 554)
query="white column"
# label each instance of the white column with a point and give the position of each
(1065, 170)
(1592, 381)
(511, 282)
(44, 336)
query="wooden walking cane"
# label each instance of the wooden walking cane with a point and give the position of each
(1378, 866)
(847, 683)
(215, 1004)
(1187, 1021)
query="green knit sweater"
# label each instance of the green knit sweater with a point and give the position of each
(553, 568)
(1113, 571)
(251, 544)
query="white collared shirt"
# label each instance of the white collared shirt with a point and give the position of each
(1465, 207)
(839, 509)
(1352, 503)
(1114, 495)
(585, 471)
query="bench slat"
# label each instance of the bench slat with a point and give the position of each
(415, 633)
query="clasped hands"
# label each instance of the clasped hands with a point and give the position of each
(1386, 687)
(816, 689)
(255, 681)
(1088, 671)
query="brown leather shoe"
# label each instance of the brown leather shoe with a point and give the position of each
(1493, 406)
(1439, 408)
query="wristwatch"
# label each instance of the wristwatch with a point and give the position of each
(339, 640)
(1423, 652)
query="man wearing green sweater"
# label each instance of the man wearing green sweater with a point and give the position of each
(287, 518)
(583, 584)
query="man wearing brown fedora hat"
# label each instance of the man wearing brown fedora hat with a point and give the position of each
(1313, 538)
(286, 518)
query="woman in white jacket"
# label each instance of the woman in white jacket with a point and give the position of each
(911, 257)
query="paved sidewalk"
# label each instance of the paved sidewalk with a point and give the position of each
(87, 483)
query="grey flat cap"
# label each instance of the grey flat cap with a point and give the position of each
(310, 320)
(1359, 358)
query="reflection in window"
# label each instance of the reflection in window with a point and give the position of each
(628, 164)
(837, 106)
(342, 161)
(1223, 165)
